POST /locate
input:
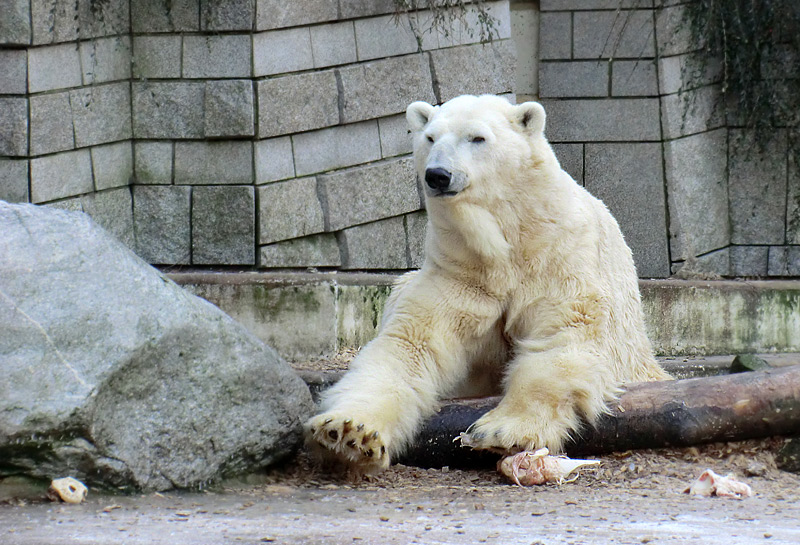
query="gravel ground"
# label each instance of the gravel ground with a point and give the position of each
(634, 497)
(631, 498)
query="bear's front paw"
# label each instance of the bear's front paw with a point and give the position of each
(505, 433)
(347, 440)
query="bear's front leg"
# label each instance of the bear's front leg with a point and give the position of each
(372, 412)
(548, 395)
(423, 351)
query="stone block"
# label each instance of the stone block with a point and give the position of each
(634, 78)
(229, 109)
(157, 56)
(686, 72)
(377, 245)
(272, 14)
(358, 8)
(51, 123)
(793, 194)
(168, 109)
(749, 260)
(13, 126)
(629, 179)
(395, 136)
(613, 34)
(573, 79)
(455, 74)
(14, 180)
(388, 36)
(555, 36)
(333, 44)
(223, 225)
(336, 147)
(385, 87)
(784, 261)
(477, 23)
(282, 51)
(15, 24)
(106, 18)
(53, 67)
(221, 15)
(416, 228)
(714, 263)
(153, 162)
(673, 31)
(55, 21)
(218, 56)
(274, 159)
(312, 251)
(583, 5)
(757, 188)
(694, 111)
(697, 188)
(297, 103)
(289, 210)
(73, 204)
(113, 211)
(212, 163)
(571, 158)
(369, 193)
(101, 113)
(106, 59)
(62, 175)
(14, 67)
(112, 165)
(616, 119)
(525, 22)
(159, 16)
(162, 224)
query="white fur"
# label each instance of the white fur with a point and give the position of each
(527, 286)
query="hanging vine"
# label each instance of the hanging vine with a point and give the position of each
(758, 45)
(449, 18)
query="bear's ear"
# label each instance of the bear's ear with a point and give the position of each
(418, 114)
(531, 116)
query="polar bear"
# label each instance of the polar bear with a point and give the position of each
(527, 287)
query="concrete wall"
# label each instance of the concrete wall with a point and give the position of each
(235, 132)
(305, 316)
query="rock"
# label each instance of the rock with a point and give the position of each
(112, 373)
(748, 362)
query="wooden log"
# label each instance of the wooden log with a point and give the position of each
(647, 415)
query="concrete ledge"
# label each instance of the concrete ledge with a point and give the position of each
(305, 315)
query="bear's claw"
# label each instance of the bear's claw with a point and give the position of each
(354, 444)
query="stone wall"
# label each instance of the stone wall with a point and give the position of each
(234, 132)
(266, 134)
(635, 114)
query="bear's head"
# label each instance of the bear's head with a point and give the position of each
(470, 144)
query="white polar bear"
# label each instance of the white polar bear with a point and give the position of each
(527, 285)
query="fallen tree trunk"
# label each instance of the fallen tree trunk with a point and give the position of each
(648, 415)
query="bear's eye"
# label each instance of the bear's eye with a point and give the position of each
(477, 139)
(430, 139)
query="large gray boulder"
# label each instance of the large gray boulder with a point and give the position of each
(112, 373)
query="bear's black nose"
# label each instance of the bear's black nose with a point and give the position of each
(437, 178)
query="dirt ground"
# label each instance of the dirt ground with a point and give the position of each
(634, 497)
